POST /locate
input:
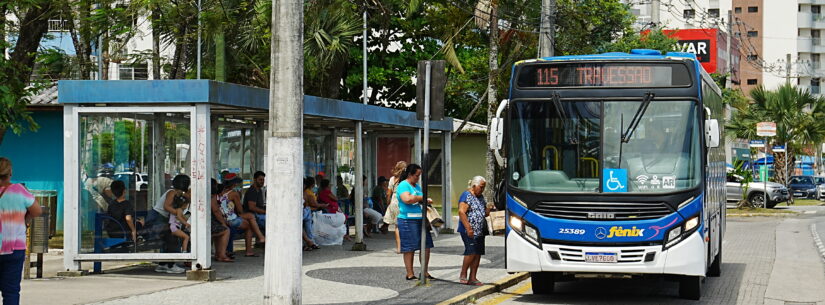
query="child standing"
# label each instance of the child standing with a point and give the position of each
(179, 224)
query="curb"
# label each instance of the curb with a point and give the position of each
(818, 242)
(488, 289)
(761, 214)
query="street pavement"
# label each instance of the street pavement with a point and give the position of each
(766, 260)
(332, 275)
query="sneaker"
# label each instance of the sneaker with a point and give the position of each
(161, 268)
(175, 269)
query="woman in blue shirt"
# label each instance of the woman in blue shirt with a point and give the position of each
(409, 198)
(472, 210)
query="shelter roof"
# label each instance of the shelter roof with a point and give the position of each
(234, 101)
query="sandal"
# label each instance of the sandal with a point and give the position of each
(251, 255)
(430, 277)
(225, 260)
(475, 283)
(410, 278)
(463, 280)
(315, 247)
(308, 248)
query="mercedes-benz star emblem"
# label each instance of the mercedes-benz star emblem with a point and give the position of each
(601, 233)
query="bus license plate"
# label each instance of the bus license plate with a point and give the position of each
(600, 257)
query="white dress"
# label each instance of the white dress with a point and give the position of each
(392, 210)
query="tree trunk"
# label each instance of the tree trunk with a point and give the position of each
(492, 103)
(3, 10)
(107, 55)
(82, 43)
(156, 43)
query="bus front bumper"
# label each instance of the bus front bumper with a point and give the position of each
(685, 258)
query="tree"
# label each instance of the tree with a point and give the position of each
(798, 116)
(16, 71)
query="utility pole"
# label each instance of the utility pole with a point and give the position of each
(282, 263)
(359, 244)
(729, 80)
(655, 9)
(548, 28)
(788, 68)
(492, 103)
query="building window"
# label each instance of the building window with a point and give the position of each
(58, 25)
(737, 10)
(816, 9)
(752, 57)
(815, 63)
(135, 71)
(689, 14)
(815, 86)
(753, 33)
(713, 13)
(753, 9)
(752, 81)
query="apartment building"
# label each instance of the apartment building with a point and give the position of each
(127, 65)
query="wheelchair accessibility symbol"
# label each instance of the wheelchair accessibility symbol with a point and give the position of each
(614, 180)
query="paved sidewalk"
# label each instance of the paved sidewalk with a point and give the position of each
(332, 275)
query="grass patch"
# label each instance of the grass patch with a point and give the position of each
(807, 202)
(747, 211)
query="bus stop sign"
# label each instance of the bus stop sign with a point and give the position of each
(766, 129)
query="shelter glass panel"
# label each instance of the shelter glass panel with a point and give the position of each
(127, 163)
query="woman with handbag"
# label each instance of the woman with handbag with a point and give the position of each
(409, 219)
(472, 225)
(17, 207)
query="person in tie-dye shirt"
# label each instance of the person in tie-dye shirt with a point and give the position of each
(16, 207)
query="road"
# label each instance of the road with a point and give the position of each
(767, 260)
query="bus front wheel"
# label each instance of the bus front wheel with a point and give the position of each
(690, 287)
(543, 282)
(715, 269)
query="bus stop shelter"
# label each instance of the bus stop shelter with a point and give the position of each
(146, 132)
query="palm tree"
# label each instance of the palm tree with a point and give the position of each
(798, 116)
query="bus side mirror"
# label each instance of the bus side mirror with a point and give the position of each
(712, 134)
(497, 133)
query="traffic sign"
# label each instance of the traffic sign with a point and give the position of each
(757, 143)
(766, 129)
(778, 148)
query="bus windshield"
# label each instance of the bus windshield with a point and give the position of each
(565, 146)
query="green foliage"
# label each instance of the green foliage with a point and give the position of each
(799, 118)
(14, 96)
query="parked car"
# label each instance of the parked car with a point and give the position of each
(777, 193)
(138, 181)
(803, 187)
(820, 187)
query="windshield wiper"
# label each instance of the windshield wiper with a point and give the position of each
(557, 103)
(637, 118)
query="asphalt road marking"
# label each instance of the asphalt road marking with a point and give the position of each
(810, 212)
(509, 295)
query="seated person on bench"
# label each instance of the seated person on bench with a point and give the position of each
(122, 211)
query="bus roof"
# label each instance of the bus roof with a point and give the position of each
(636, 54)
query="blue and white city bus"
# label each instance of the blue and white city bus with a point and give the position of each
(613, 167)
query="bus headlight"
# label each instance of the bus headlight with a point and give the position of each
(680, 232)
(526, 230)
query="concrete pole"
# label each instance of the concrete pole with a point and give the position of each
(282, 263)
(548, 28)
(447, 181)
(655, 9)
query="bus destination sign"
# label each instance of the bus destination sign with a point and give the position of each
(628, 75)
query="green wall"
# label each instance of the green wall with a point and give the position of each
(469, 153)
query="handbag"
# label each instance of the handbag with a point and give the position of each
(433, 217)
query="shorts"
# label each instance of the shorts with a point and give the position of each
(174, 227)
(472, 246)
(235, 224)
(410, 232)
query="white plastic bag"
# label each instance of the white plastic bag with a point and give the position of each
(329, 229)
